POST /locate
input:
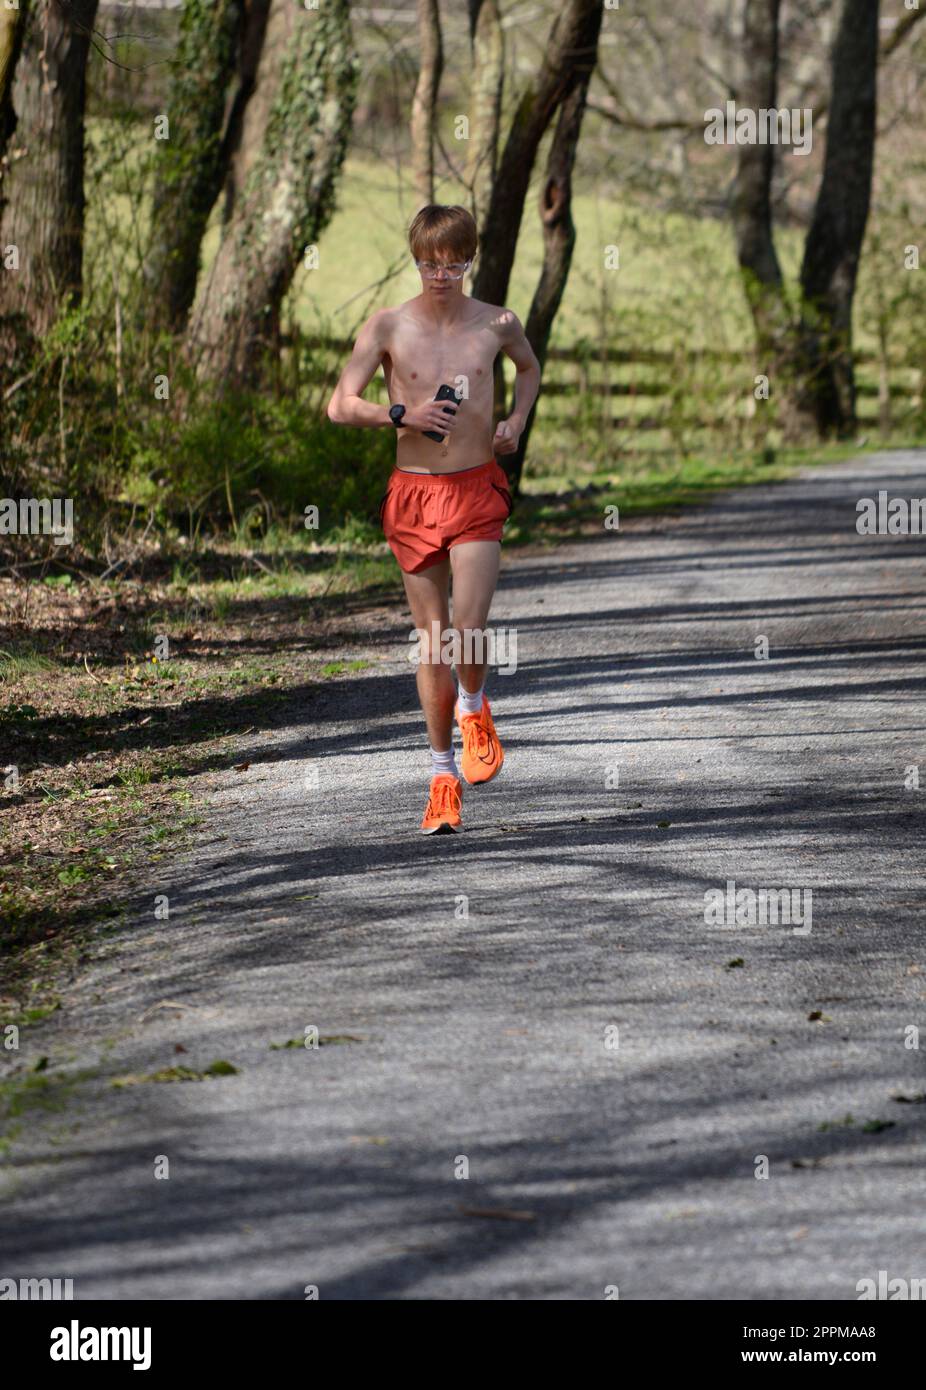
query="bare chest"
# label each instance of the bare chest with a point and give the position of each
(420, 360)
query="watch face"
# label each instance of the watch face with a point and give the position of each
(395, 413)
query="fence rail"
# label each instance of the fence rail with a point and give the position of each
(671, 405)
(581, 353)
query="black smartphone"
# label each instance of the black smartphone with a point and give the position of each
(444, 393)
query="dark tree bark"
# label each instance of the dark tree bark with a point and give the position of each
(572, 41)
(559, 237)
(424, 102)
(189, 166)
(43, 185)
(834, 241)
(237, 156)
(12, 24)
(13, 337)
(487, 47)
(309, 65)
(571, 51)
(809, 363)
(752, 204)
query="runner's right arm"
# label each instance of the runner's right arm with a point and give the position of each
(347, 406)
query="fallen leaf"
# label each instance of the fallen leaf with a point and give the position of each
(163, 1004)
(165, 1074)
(221, 1068)
(499, 1213)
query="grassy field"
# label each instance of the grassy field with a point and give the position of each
(676, 274)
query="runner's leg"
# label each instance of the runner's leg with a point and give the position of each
(475, 567)
(427, 595)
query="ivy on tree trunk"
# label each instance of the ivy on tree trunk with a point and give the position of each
(309, 64)
(188, 165)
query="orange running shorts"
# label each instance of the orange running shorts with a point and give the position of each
(424, 515)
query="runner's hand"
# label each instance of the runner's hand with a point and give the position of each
(506, 439)
(431, 416)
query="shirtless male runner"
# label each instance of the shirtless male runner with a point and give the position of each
(446, 502)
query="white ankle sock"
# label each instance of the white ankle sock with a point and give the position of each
(470, 704)
(443, 762)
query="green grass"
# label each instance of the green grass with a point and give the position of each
(34, 1091)
(34, 1014)
(551, 509)
(22, 661)
(174, 1074)
(675, 271)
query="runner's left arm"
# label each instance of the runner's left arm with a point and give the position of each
(527, 383)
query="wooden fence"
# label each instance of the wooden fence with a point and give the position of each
(701, 393)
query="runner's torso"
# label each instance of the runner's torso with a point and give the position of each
(420, 358)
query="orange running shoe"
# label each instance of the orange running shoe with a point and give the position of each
(442, 813)
(482, 752)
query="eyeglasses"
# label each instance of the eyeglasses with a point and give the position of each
(456, 271)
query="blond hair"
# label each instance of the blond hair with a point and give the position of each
(446, 229)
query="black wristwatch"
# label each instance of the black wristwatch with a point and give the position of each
(395, 414)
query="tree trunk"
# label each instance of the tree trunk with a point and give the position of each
(12, 24)
(834, 241)
(559, 237)
(571, 45)
(571, 48)
(752, 204)
(249, 107)
(487, 43)
(43, 186)
(424, 102)
(188, 165)
(809, 364)
(309, 64)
